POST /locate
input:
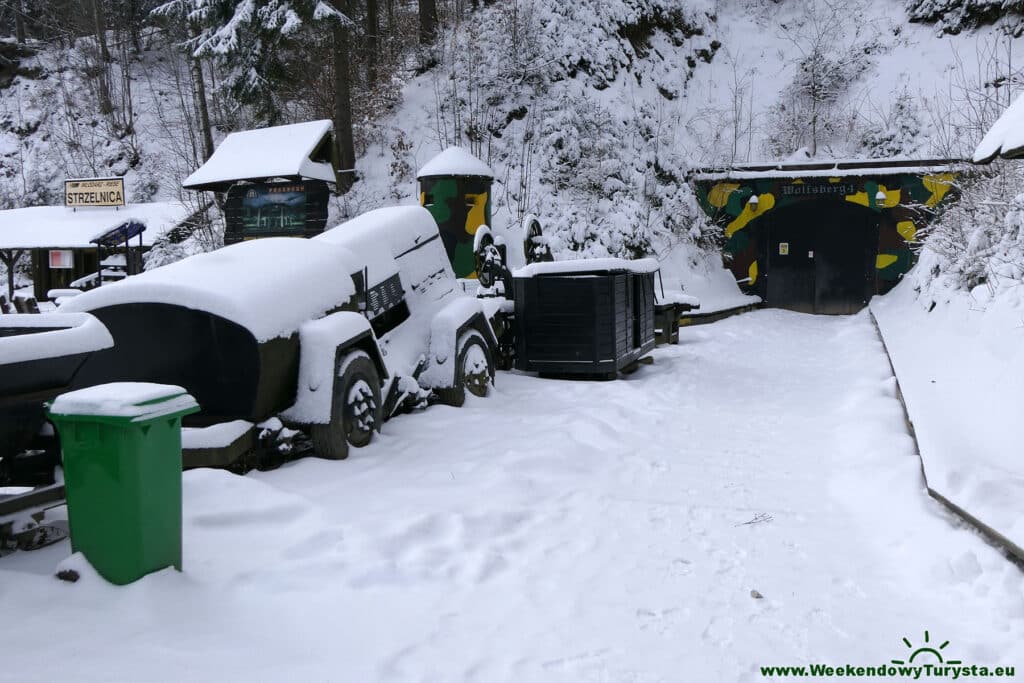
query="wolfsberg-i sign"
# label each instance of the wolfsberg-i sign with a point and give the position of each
(94, 192)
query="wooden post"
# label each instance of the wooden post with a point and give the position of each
(10, 258)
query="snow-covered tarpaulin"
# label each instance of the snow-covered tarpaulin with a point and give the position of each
(275, 152)
(59, 227)
(268, 286)
(1005, 138)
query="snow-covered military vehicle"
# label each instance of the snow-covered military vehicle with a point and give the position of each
(330, 335)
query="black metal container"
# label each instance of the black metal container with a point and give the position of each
(230, 374)
(582, 322)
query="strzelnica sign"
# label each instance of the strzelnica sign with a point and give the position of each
(94, 192)
(923, 661)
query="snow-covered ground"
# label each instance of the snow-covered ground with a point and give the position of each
(563, 531)
(961, 370)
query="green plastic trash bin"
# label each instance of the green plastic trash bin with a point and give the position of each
(121, 445)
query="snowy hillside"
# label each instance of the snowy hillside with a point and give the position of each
(592, 113)
(600, 154)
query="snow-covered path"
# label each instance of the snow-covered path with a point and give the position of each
(563, 531)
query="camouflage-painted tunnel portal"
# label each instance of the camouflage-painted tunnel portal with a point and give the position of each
(823, 238)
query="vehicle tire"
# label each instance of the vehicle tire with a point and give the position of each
(355, 408)
(474, 370)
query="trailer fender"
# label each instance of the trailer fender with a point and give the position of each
(446, 327)
(322, 343)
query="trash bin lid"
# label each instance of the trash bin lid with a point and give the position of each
(132, 401)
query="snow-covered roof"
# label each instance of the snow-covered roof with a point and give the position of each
(269, 286)
(275, 152)
(836, 168)
(591, 265)
(1006, 137)
(455, 161)
(43, 227)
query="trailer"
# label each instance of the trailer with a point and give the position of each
(252, 331)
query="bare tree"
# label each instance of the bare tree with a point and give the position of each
(828, 38)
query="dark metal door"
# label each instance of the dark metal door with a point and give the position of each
(791, 272)
(846, 242)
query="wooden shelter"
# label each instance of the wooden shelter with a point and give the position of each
(76, 247)
(276, 180)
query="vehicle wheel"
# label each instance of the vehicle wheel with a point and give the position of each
(474, 370)
(355, 409)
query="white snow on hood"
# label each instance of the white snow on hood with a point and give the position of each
(270, 286)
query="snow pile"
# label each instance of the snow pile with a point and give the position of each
(61, 335)
(700, 274)
(960, 363)
(269, 286)
(1006, 137)
(137, 401)
(220, 435)
(954, 331)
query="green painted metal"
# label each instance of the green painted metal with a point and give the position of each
(460, 205)
(123, 484)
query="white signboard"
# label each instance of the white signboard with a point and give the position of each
(94, 192)
(62, 259)
(783, 248)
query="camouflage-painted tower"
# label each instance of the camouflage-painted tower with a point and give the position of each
(455, 187)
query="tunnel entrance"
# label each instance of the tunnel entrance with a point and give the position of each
(823, 236)
(820, 257)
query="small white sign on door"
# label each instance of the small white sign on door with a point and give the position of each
(783, 248)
